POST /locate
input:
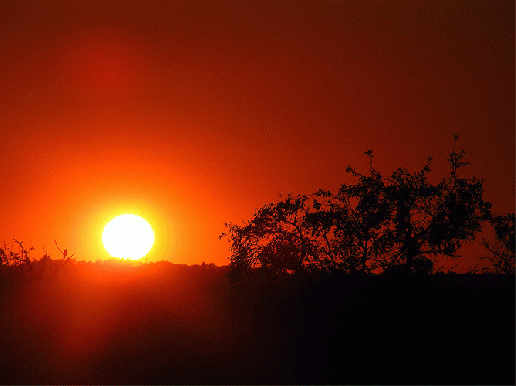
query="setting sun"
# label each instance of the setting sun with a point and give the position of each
(128, 236)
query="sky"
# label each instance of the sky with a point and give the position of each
(196, 113)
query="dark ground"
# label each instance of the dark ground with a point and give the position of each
(168, 324)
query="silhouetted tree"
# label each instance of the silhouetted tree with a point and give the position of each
(352, 226)
(277, 238)
(375, 224)
(502, 249)
(431, 220)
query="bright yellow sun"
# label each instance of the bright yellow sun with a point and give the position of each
(128, 236)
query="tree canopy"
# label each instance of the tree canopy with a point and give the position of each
(400, 221)
(502, 249)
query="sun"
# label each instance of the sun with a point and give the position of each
(128, 236)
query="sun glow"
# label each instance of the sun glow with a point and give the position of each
(128, 236)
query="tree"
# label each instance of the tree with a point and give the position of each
(375, 224)
(502, 249)
(318, 232)
(434, 219)
(352, 226)
(277, 238)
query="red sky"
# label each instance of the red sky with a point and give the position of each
(196, 113)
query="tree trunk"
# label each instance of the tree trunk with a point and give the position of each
(411, 250)
(364, 257)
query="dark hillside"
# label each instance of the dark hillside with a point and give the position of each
(162, 323)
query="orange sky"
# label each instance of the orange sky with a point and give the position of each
(196, 113)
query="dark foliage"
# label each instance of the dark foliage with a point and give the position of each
(501, 250)
(400, 222)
